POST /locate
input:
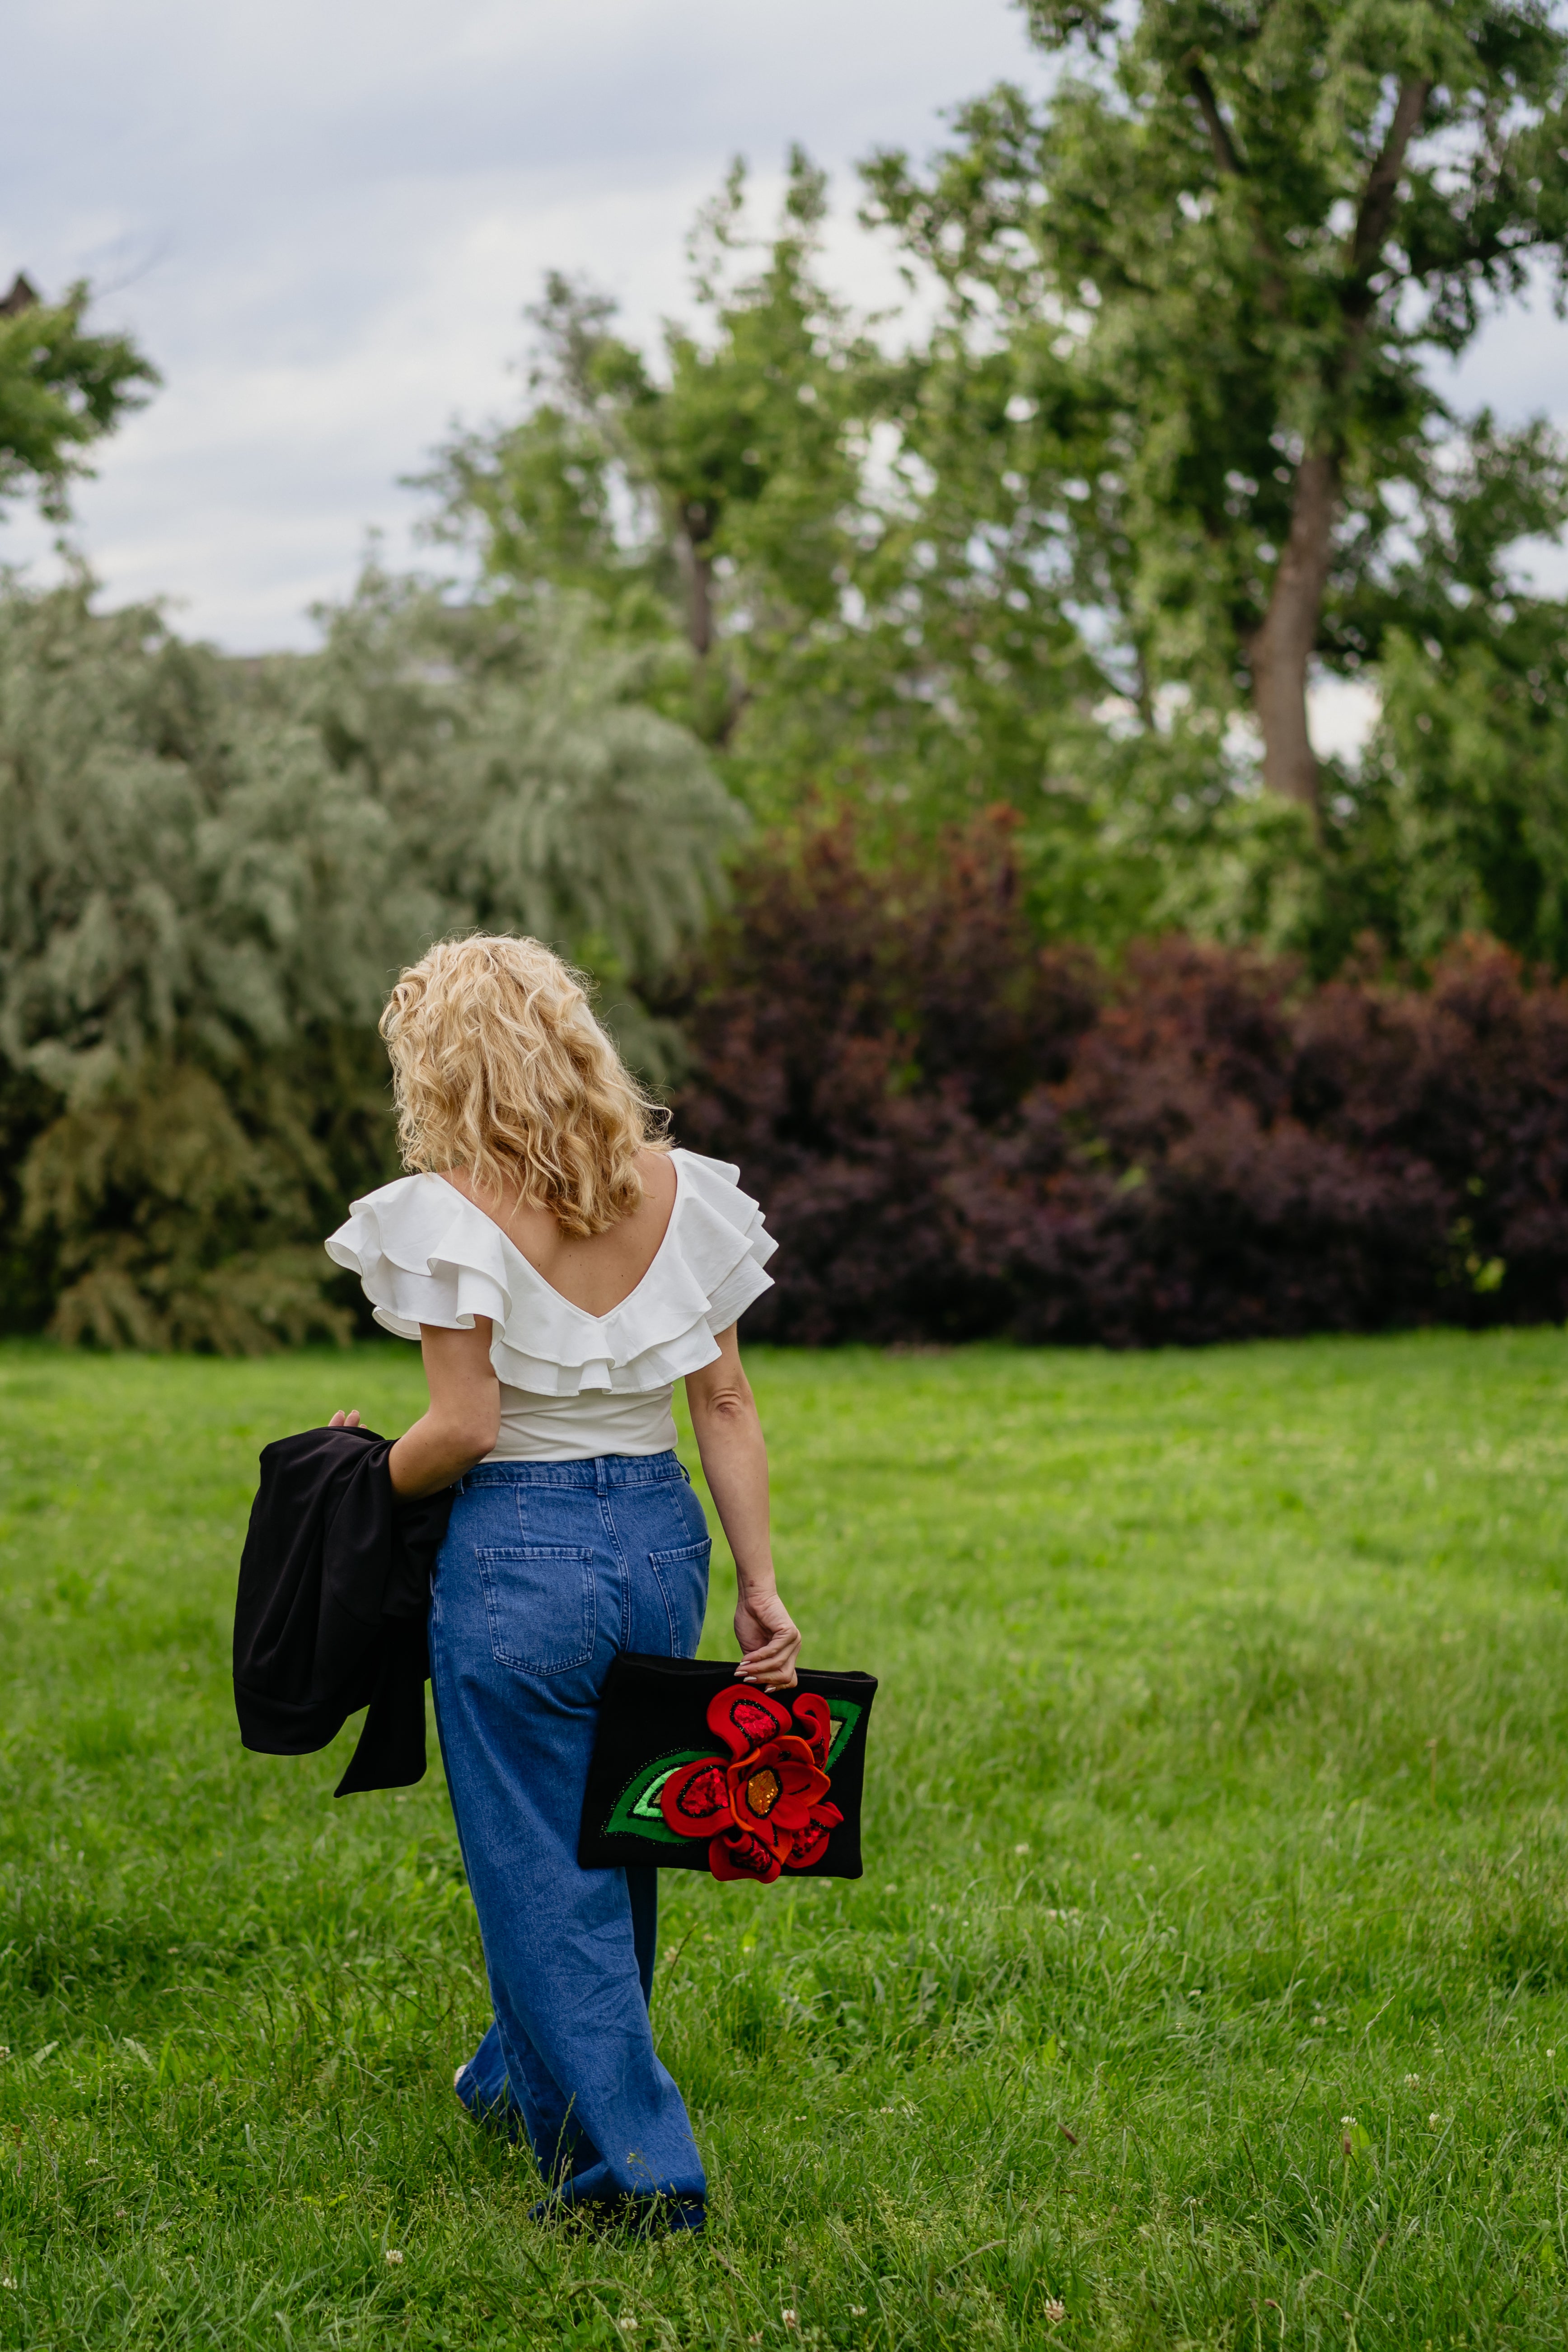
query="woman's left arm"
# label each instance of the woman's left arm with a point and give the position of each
(460, 1425)
(728, 1433)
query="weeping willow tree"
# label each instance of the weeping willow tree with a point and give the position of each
(209, 870)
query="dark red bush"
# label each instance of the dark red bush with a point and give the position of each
(858, 1037)
(956, 1133)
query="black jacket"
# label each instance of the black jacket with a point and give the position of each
(335, 1588)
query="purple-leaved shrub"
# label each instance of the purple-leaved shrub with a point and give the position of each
(957, 1132)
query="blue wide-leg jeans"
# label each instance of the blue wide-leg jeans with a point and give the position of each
(548, 1569)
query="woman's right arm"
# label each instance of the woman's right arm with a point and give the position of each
(460, 1425)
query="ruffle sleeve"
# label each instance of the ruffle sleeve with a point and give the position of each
(425, 1253)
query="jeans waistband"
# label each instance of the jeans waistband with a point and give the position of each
(602, 1470)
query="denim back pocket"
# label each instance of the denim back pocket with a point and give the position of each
(539, 1599)
(682, 1576)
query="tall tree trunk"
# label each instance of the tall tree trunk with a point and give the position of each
(696, 533)
(1282, 648)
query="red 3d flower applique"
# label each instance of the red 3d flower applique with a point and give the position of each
(809, 1843)
(810, 1712)
(767, 1808)
(743, 1717)
(772, 1789)
(695, 1801)
(742, 1853)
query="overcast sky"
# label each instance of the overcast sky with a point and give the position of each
(322, 218)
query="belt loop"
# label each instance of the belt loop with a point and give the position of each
(601, 1479)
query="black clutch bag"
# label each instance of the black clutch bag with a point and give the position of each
(694, 1771)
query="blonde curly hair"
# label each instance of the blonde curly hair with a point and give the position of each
(499, 1068)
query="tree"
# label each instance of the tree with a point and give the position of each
(209, 872)
(525, 777)
(1208, 264)
(61, 389)
(807, 581)
(705, 503)
(1466, 789)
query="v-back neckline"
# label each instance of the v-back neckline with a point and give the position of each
(585, 1312)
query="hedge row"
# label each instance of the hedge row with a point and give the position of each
(956, 1134)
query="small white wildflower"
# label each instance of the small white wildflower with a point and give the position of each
(1056, 2312)
(5, 2052)
(1434, 2119)
(856, 2311)
(626, 2323)
(6, 2280)
(1348, 2119)
(394, 2256)
(791, 2319)
(1023, 1847)
(1412, 2081)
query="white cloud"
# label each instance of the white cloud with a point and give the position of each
(322, 218)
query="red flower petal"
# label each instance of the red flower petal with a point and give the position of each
(794, 1758)
(809, 1843)
(742, 1717)
(810, 1711)
(743, 1854)
(792, 1811)
(806, 1846)
(695, 1800)
(777, 1783)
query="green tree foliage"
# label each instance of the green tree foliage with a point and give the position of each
(522, 773)
(1465, 798)
(210, 870)
(707, 505)
(61, 389)
(1204, 272)
(1170, 446)
(755, 507)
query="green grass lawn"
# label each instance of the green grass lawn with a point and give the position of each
(1217, 1796)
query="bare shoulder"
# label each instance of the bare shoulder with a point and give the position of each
(657, 1170)
(529, 1228)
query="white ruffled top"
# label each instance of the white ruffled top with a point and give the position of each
(425, 1253)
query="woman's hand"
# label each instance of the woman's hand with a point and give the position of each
(344, 1420)
(769, 1641)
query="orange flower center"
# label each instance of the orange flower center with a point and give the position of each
(764, 1790)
